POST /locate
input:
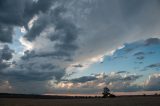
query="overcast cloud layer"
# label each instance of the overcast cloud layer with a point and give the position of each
(62, 38)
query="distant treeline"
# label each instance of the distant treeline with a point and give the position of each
(35, 96)
(9, 95)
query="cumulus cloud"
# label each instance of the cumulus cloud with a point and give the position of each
(19, 13)
(152, 83)
(43, 63)
(115, 81)
(34, 70)
(62, 35)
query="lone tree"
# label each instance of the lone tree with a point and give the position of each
(106, 93)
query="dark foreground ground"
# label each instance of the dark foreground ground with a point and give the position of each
(118, 101)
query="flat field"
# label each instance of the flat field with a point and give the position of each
(118, 101)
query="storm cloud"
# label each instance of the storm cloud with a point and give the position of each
(5, 54)
(50, 63)
(19, 13)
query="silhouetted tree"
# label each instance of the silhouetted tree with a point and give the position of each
(106, 93)
(144, 94)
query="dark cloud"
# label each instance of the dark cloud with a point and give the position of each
(19, 13)
(132, 77)
(28, 54)
(119, 72)
(115, 81)
(139, 53)
(130, 9)
(33, 75)
(33, 72)
(55, 55)
(64, 35)
(12, 9)
(143, 53)
(47, 66)
(6, 33)
(32, 69)
(41, 66)
(3, 65)
(118, 82)
(156, 65)
(152, 41)
(69, 74)
(83, 79)
(5, 55)
(78, 65)
(37, 28)
(32, 66)
(140, 57)
(141, 43)
(120, 78)
(122, 20)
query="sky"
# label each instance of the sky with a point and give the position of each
(79, 46)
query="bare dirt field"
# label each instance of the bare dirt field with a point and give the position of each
(118, 101)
